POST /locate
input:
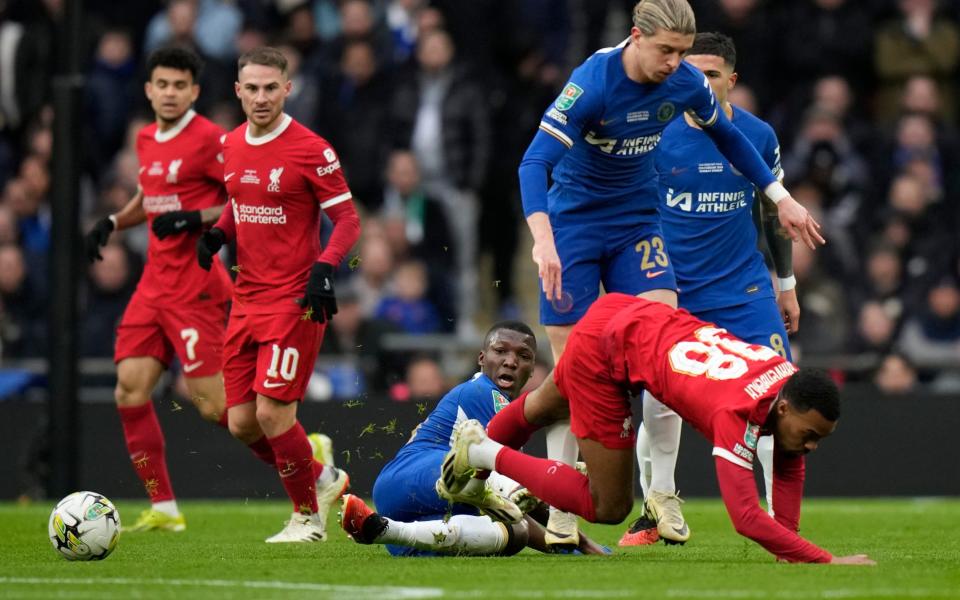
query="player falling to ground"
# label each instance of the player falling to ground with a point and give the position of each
(707, 211)
(177, 308)
(279, 177)
(730, 391)
(411, 517)
(599, 222)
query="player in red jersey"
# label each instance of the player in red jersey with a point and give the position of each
(730, 391)
(177, 308)
(279, 176)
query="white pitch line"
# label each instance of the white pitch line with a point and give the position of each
(363, 591)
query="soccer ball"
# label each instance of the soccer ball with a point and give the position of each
(84, 526)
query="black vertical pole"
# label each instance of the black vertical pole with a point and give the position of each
(65, 262)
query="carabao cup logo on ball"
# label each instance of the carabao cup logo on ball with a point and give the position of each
(568, 96)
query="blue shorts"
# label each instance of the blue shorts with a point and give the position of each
(627, 260)
(405, 491)
(756, 322)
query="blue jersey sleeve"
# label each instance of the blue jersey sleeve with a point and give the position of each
(736, 148)
(580, 102)
(771, 153)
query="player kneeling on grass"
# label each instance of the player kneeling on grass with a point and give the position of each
(730, 391)
(413, 507)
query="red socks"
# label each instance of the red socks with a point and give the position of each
(264, 451)
(298, 471)
(145, 445)
(510, 427)
(555, 483)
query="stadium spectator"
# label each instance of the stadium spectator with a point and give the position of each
(436, 114)
(111, 282)
(424, 381)
(918, 42)
(303, 104)
(835, 37)
(354, 115)
(111, 92)
(877, 327)
(826, 320)
(358, 23)
(402, 23)
(415, 226)
(931, 338)
(376, 262)
(358, 339)
(408, 307)
(301, 33)
(22, 318)
(212, 25)
(895, 375)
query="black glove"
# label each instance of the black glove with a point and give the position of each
(96, 238)
(319, 296)
(208, 244)
(176, 221)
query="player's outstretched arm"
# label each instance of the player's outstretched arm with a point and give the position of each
(781, 251)
(130, 215)
(545, 255)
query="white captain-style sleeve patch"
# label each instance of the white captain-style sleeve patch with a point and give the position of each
(737, 460)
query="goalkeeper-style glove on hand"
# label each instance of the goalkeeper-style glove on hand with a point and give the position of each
(319, 297)
(96, 238)
(176, 221)
(208, 244)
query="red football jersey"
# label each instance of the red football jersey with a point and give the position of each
(277, 184)
(724, 387)
(180, 169)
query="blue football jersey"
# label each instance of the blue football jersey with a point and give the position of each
(611, 125)
(478, 399)
(705, 207)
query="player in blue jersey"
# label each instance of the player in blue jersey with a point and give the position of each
(411, 515)
(707, 210)
(598, 222)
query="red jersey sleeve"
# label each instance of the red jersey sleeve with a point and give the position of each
(734, 437)
(226, 222)
(213, 165)
(324, 175)
(788, 476)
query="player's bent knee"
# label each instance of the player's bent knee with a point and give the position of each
(517, 537)
(612, 513)
(127, 394)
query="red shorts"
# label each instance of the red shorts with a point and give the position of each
(269, 354)
(193, 332)
(599, 407)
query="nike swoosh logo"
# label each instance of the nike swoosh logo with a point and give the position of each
(682, 531)
(227, 177)
(652, 274)
(272, 384)
(193, 367)
(605, 122)
(677, 170)
(559, 535)
(179, 224)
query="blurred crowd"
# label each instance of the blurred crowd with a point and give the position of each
(431, 104)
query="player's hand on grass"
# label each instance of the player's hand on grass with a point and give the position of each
(800, 226)
(789, 310)
(319, 298)
(96, 238)
(855, 559)
(548, 264)
(208, 244)
(176, 221)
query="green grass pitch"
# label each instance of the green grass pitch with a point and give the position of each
(222, 555)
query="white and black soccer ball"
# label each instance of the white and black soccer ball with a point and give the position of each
(84, 526)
